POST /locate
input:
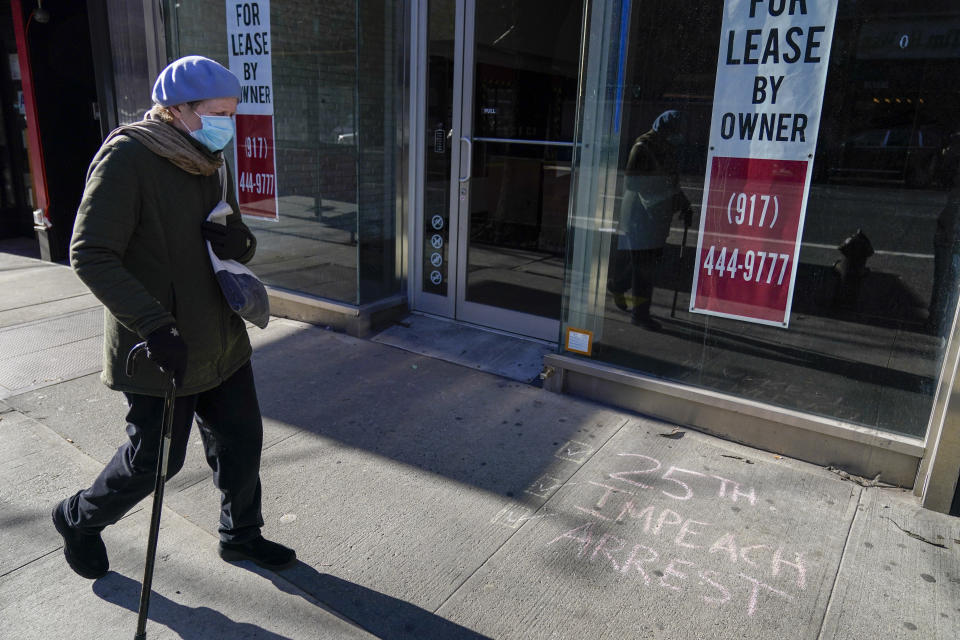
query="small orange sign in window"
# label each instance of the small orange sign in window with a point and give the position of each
(579, 341)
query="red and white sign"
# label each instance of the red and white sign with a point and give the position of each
(248, 43)
(771, 73)
(749, 238)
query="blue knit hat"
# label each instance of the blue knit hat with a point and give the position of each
(194, 78)
(668, 121)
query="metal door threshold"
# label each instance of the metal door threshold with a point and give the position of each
(515, 357)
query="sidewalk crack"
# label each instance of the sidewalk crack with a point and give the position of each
(267, 447)
(840, 565)
(916, 536)
(29, 562)
(46, 302)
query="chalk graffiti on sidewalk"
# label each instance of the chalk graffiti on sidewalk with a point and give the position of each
(657, 544)
(726, 488)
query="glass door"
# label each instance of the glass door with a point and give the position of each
(499, 113)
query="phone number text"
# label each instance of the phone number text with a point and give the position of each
(756, 266)
(263, 184)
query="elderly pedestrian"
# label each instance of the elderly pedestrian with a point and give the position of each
(139, 245)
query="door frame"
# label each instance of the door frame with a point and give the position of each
(421, 300)
(35, 157)
(454, 305)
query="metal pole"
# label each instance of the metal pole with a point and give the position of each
(683, 244)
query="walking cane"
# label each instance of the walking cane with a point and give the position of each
(683, 244)
(161, 479)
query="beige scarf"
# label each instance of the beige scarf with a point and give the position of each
(165, 141)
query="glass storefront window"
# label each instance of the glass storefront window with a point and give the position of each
(338, 84)
(524, 88)
(878, 261)
(135, 60)
(499, 113)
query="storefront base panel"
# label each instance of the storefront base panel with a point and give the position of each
(860, 451)
(358, 321)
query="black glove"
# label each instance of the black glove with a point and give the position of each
(229, 242)
(167, 349)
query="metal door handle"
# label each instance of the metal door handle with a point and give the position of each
(469, 159)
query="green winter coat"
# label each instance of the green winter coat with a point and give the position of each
(137, 245)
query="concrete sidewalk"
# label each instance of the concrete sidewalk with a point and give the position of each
(427, 499)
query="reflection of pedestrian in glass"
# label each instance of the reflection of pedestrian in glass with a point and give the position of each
(946, 244)
(651, 196)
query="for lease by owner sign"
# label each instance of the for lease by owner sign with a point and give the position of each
(248, 42)
(771, 73)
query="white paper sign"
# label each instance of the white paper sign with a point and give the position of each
(249, 49)
(771, 75)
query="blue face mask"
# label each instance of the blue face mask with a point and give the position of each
(215, 132)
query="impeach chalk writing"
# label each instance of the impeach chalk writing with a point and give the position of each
(676, 574)
(695, 535)
(682, 489)
(638, 529)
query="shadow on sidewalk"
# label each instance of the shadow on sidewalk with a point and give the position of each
(471, 427)
(190, 623)
(26, 247)
(384, 616)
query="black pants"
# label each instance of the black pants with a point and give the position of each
(230, 426)
(635, 270)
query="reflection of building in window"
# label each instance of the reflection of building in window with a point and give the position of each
(879, 167)
(336, 108)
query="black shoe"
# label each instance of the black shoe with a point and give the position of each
(645, 322)
(85, 553)
(260, 551)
